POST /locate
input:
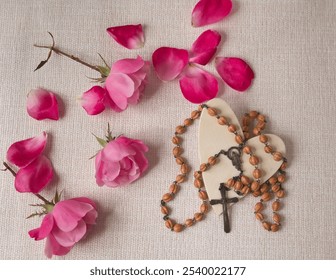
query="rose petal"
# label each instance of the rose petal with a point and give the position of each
(35, 176)
(93, 100)
(106, 171)
(235, 72)
(129, 36)
(205, 47)
(67, 239)
(23, 152)
(42, 104)
(198, 85)
(210, 11)
(128, 65)
(45, 228)
(52, 247)
(169, 62)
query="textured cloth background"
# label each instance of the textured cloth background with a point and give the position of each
(290, 44)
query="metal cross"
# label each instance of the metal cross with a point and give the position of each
(224, 201)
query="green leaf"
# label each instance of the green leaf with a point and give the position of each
(101, 141)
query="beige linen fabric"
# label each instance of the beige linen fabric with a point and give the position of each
(291, 46)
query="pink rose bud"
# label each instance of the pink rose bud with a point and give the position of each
(66, 223)
(42, 104)
(120, 162)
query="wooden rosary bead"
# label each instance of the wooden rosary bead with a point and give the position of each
(198, 183)
(180, 129)
(189, 222)
(280, 193)
(204, 208)
(255, 186)
(167, 197)
(178, 227)
(203, 167)
(245, 128)
(176, 140)
(266, 225)
(195, 114)
(177, 151)
(261, 125)
(180, 160)
(283, 166)
(276, 218)
(276, 188)
(245, 180)
(258, 207)
(198, 175)
(245, 190)
(169, 223)
(253, 114)
(273, 180)
(232, 128)
(188, 122)
(238, 186)
(264, 188)
(198, 216)
(276, 206)
(259, 216)
(256, 131)
(254, 160)
(274, 228)
(184, 169)
(277, 156)
(174, 188)
(282, 178)
(165, 210)
(256, 193)
(230, 183)
(212, 160)
(261, 118)
(257, 173)
(239, 139)
(201, 106)
(268, 149)
(212, 111)
(247, 150)
(203, 195)
(263, 138)
(246, 135)
(222, 120)
(246, 121)
(180, 178)
(266, 196)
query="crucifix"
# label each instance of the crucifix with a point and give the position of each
(224, 201)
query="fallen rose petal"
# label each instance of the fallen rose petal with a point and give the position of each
(23, 152)
(35, 176)
(169, 62)
(205, 47)
(129, 36)
(93, 100)
(235, 72)
(198, 85)
(210, 11)
(42, 104)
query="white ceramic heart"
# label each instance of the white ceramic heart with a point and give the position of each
(214, 137)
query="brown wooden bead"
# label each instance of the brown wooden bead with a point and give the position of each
(254, 160)
(178, 227)
(268, 149)
(164, 210)
(282, 178)
(195, 114)
(180, 129)
(283, 166)
(245, 190)
(245, 128)
(189, 222)
(180, 160)
(263, 138)
(222, 121)
(264, 188)
(231, 182)
(266, 225)
(266, 196)
(246, 121)
(276, 206)
(276, 188)
(257, 173)
(246, 135)
(198, 175)
(273, 180)
(274, 228)
(245, 180)
(276, 218)
(200, 107)
(198, 183)
(253, 114)
(177, 151)
(203, 195)
(238, 185)
(204, 208)
(259, 216)
(259, 207)
(280, 193)
(180, 178)
(256, 131)
(212, 160)
(256, 193)
(232, 128)
(261, 125)
(167, 197)
(255, 186)
(277, 156)
(212, 111)
(203, 167)
(239, 139)
(169, 223)
(247, 150)
(261, 118)
(198, 216)
(184, 169)
(188, 122)
(174, 188)
(176, 140)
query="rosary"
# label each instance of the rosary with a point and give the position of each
(240, 184)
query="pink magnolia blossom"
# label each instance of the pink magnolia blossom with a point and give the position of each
(42, 104)
(129, 36)
(66, 223)
(210, 11)
(235, 72)
(120, 162)
(36, 170)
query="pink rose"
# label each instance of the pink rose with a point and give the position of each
(120, 162)
(65, 224)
